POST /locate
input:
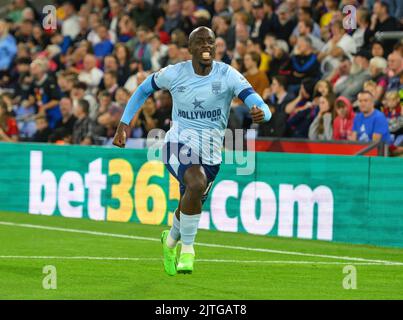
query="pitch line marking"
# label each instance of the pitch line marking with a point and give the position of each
(199, 260)
(211, 245)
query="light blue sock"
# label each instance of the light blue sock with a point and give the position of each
(175, 229)
(188, 230)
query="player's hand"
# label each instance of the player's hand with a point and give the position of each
(119, 139)
(257, 114)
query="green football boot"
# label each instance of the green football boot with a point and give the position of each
(185, 263)
(169, 255)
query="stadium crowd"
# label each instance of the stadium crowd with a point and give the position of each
(70, 84)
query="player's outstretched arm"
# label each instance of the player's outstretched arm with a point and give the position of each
(135, 102)
(259, 110)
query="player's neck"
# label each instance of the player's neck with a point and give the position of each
(200, 69)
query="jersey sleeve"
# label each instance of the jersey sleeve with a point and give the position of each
(163, 79)
(237, 81)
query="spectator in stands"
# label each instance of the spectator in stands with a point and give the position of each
(71, 24)
(146, 119)
(301, 111)
(125, 65)
(341, 43)
(82, 131)
(344, 119)
(305, 28)
(65, 125)
(105, 45)
(143, 14)
(142, 49)
(173, 17)
(279, 97)
(377, 68)
(393, 113)
(65, 82)
(377, 49)
(286, 23)
(395, 66)
(8, 47)
(44, 93)
(304, 63)
(358, 75)
(362, 35)
(276, 127)
(261, 25)
(381, 21)
(159, 52)
(164, 110)
(221, 27)
(257, 78)
(221, 51)
(323, 88)
(8, 124)
(370, 124)
(108, 116)
(322, 126)
(79, 92)
(281, 63)
(43, 131)
(256, 45)
(111, 83)
(91, 75)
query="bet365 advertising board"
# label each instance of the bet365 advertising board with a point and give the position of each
(332, 198)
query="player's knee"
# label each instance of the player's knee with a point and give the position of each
(197, 186)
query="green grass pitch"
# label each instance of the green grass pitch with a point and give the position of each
(108, 260)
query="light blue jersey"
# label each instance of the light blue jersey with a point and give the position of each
(201, 104)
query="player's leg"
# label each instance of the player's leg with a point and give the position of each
(195, 180)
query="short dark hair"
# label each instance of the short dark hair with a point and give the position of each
(282, 80)
(84, 105)
(113, 74)
(308, 23)
(80, 85)
(255, 57)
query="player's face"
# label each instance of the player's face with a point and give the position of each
(203, 48)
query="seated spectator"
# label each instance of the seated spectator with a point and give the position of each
(65, 81)
(305, 29)
(163, 114)
(393, 113)
(222, 29)
(159, 52)
(8, 124)
(43, 91)
(261, 25)
(304, 63)
(395, 66)
(8, 47)
(83, 127)
(286, 22)
(142, 49)
(43, 131)
(305, 14)
(323, 88)
(279, 97)
(340, 44)
(255, 45)
(280, 63)
(105, 45)
(257, 78)
(125, 65)
(91, 75)
(173, 16)
(370, 124)
(341, 73)
(66, 124)
(377, 68)
(362, 35)
(145, 119)
(381, 21)
(109, 114)
(301, 111)
(80, 92)
(111, 83)
(377, 49)
(344, 118)
(322, 127)
(358, 75)
(221, 51)
(70, 25)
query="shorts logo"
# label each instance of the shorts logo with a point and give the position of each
(216, 87)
